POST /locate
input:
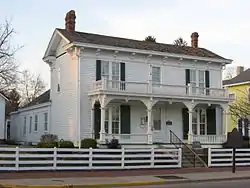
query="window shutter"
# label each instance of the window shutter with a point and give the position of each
(185, 122)
(122, 76)
(207, 80)
(125, 119)
(211, 121)
(98, 70)
(187, 76)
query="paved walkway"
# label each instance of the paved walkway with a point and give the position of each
(109, 173)
(110, 181)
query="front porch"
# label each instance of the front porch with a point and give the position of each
(148, 121)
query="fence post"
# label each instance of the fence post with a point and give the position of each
(90, 158)
(180, 158)
(123, 158)
(17, 159)
(55, 158)
(209, 157)
(152, 157)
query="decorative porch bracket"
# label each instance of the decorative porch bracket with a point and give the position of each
(103, 100)
(190, 105)
(149, 103)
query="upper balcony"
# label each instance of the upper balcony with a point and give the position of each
(129, 88)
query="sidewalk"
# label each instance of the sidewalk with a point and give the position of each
(124, 180)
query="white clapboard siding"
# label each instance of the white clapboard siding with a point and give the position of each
(224, 157)
(21, 159)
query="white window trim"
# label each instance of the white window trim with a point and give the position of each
(198, 124)
(230, 93)
(161, 76)
(248, 94)
(110, 120)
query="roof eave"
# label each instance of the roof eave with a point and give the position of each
(51, 42)
(106, 47)
(236, 84)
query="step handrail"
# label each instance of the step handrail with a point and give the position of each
(185, 145)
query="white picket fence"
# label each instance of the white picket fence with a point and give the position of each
(224, 157)
(20, 159)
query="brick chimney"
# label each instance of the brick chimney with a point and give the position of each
(239, 69)
(194, 39)
(70, 21)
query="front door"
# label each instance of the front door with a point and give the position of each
(157, 126)
(97, 120)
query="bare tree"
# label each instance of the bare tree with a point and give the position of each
(180, 42)
(240, 107)
(8, 66)
(229, 73)
(30, 86)
(14, 101)
(150, 39)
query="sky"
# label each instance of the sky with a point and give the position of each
(223, 25)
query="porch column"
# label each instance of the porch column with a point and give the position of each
(190, 128)
(149, 132)
(225, 112)
(102, 131)
(92, 114)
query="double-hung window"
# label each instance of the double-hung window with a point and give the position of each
(156, 75)
(46, 122)
(105, 68)
(201, 82)
(59, 80)
(199, 121)
(36, 123)
(248, 94)
(30, 128)
(115, 120)
(24, 126)
(115, 74)
(193, 80)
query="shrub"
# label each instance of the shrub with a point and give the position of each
(88, 143)
(10, 142)
(50, 144)
(49, 138)
(66, 144)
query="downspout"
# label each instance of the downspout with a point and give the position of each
(78, 51)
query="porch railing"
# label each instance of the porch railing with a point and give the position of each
(147, 87)
(129, 138)
(208, 139)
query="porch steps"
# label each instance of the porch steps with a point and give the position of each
(189, 159)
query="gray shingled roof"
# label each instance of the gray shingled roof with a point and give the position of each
(242, 77)
(43, 98)
(136, 44)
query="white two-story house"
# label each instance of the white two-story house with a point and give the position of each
(137, 91)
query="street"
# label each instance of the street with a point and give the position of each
(218, 184)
